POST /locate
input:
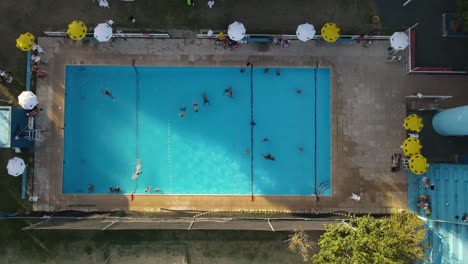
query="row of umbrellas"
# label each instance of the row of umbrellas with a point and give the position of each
(77, 30)
(330, 33)
(304, 32)
(412, 146)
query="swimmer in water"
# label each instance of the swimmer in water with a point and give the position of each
(137, 170)
(108, 94)
(182, 109)
(205, 99)
(228, 92)
(268, 156)
(195, 105)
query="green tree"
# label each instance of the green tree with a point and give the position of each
(462, 9)
(395, 239)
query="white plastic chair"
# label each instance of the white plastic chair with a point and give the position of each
(355, 197)
(33, 198)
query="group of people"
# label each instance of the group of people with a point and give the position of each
(36, 60)
(365, 43)
(34, 112)
(464, 217)
(111, 189)
(115, 189)
(269, 156)
(265, 70)
(424, 199)
(226, 42)
(148, 188)
(398, 163)
(206, 101)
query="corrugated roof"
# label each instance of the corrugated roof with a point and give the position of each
(448, 236)
(5, 126)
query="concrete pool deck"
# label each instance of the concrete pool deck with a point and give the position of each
(367, 112)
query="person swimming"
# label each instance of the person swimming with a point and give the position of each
(265, 139)
(137, 170)
(182, 109)
(205, 99)
(299, 91)
(228, 91)
(108, 94)
(268, 157)
(195, 105)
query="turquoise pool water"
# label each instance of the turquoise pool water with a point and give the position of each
(204, 152)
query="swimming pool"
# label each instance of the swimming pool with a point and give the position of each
(216, 150)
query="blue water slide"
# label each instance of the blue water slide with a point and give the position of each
(452, 122)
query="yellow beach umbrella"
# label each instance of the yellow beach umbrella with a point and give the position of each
(330, 32)
(418, 164)
(411, 146)
(25, 41)
(414, 123)
(77, 30)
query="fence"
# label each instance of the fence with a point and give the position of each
(179, 223)
(117, 34)
(203, 34)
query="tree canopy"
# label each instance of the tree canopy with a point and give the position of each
(395, 239)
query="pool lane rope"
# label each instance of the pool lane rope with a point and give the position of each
(251, 134)
(137, 105)
(169, 160)
(315, 129)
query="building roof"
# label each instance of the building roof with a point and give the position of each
(5, 126)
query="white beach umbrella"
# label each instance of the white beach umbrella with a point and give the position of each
(103, 32)
(236, 31)
(399, 41)
(305, 32)
(27, 100)
(16, 166)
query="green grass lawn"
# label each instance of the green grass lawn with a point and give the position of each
(57, 246)
(10, 187)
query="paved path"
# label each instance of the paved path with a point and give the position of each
(368, 110)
